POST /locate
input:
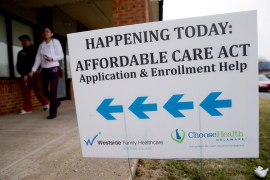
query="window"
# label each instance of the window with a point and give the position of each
(19, 29)
(10, 45)
(4, 65)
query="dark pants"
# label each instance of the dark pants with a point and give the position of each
(29, 84)
(50, 77)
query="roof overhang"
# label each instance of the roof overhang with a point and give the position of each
(94, 14)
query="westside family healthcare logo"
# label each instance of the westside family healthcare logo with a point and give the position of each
(90, 142)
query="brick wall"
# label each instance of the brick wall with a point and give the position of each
(11, 96)
(126, 12)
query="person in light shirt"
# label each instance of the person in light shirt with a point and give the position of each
(49, 54)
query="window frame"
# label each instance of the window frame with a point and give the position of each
(8, 20)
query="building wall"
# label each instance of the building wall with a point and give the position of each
(10, 90)
(124, 12)
(11, 96)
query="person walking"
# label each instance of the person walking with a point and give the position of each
(25, 61)
(49, 54)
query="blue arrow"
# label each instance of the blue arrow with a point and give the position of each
(105, 109)
(210, 104)
(173, 106)
(138, 108)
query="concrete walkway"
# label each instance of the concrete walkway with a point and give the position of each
(32, 147)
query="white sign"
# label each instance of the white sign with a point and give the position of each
(175, 89)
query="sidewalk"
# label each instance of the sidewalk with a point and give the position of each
(33, 147)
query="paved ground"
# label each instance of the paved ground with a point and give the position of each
(32, 147)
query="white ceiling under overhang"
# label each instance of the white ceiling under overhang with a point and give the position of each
(94, 14)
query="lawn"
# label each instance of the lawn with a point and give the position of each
(213, 169)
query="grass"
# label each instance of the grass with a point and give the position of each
(213, 169)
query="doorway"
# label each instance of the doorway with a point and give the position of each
(63, 83)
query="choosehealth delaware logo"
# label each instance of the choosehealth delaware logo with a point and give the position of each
(178, 135)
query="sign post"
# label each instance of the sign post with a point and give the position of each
(175, 89)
